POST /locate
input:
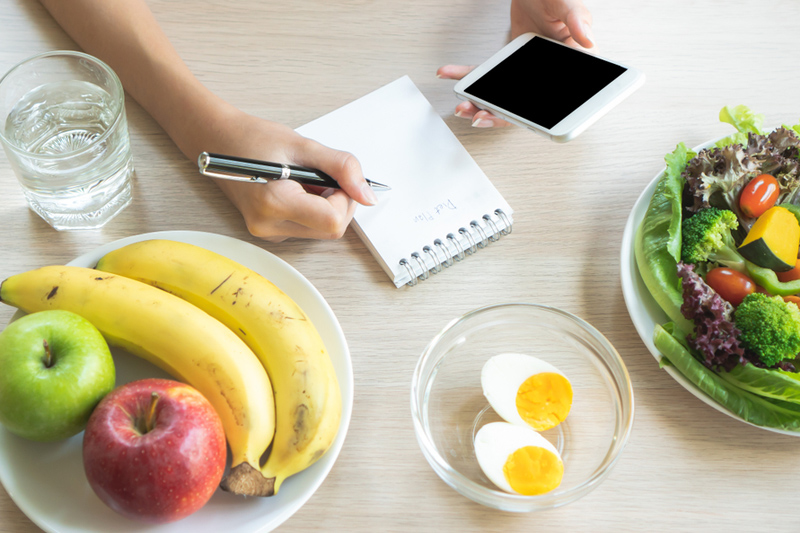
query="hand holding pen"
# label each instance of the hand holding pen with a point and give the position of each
(236, 168)
(285, 208)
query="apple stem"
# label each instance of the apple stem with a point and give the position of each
(48, 355)
(151, 415)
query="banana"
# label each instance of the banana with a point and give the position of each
(308, 402)
(175, 336)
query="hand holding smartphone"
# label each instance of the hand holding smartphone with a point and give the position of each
(548, 87)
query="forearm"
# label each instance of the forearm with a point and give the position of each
(125, 35)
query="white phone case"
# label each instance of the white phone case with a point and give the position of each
(574, 123)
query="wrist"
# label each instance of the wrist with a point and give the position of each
(199, 120)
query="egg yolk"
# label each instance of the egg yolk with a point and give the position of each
(544, 400)
(531, 470)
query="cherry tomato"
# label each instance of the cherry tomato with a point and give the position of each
(759, 195)
(732, 285)
(793, 298)
(790, 275)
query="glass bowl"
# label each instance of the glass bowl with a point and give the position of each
(448, 405)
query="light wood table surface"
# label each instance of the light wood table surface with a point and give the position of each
(686, 466)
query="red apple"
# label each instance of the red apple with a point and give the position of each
(154, 450)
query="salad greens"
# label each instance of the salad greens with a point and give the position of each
(702, 340)
(753, 408)
(744, 120)
(657, 246)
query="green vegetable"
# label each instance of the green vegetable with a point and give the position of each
(750, 407)
(707, 237)
(770, 383)
(657, 245)
(744, 120)
(769, 280)
(769, 326)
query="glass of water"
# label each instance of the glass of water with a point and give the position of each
(64, 130)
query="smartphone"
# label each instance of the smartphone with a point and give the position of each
(548, 87)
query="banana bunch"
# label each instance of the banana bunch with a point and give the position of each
(175, 336)
(308, 402)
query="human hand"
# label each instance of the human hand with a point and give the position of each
(567, 21)
(283, 208)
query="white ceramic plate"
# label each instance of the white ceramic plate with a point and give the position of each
(645, 312)
(47, 481)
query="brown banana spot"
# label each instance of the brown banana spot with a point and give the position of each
(316, 455)
(52, 292)
(221, 284)
(300, 426)
(244, 480)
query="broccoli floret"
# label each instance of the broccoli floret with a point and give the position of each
(769, 326)
(706, 236)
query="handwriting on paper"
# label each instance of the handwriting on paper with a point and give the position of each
(436, 211)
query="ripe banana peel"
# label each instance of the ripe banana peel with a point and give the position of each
(175, 336)
(308, 402)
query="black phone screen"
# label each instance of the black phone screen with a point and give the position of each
(544, 82)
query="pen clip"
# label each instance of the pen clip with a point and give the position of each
(235, 169)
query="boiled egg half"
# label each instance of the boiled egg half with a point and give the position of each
(518, 459)
(525, 390)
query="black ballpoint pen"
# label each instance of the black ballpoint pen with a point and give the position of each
(252, 170)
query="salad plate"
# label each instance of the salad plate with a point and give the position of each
(47, 481)
(645, 313)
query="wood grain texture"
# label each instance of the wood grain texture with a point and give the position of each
(686, 466)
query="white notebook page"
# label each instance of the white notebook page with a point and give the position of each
(437, 188)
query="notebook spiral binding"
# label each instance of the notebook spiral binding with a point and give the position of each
(453, 250)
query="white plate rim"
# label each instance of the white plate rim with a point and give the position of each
(294, 284)
(642, 307)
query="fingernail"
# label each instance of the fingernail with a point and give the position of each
(459, 114)
(369, 194)
(482, 123)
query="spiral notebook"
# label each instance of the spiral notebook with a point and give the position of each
(441, 208)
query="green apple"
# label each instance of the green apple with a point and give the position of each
(55, 367)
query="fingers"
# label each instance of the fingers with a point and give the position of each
(480, 118)
(282, 209)
(579, 22)
(342, 166)
(329, 227)
(453, 72)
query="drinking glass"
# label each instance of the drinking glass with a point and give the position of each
(64, 130)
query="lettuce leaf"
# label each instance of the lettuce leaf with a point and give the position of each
(750, 407)
(657, 245)
(770, 383)
(744, 120)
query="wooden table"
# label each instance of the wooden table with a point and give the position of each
(686, 466)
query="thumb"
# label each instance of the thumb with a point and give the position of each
(341, 166)
(579, 23)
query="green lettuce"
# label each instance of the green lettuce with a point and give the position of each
(657, 245)
(755, 409)
(770, 383)
(744, 120)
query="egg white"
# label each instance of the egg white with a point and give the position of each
(501, 378)
(494, 442)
